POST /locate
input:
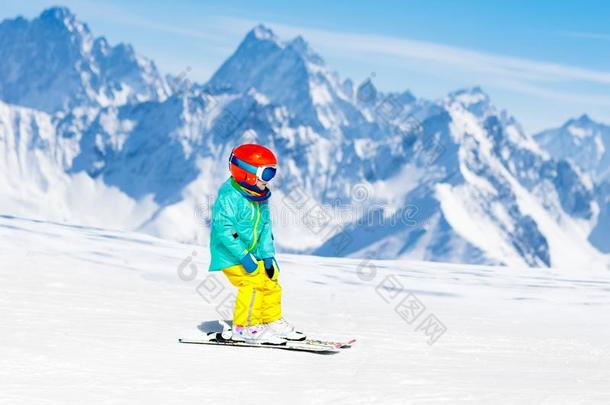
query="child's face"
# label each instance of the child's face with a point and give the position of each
(261, 184)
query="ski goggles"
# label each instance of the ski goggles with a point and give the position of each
(264, 173)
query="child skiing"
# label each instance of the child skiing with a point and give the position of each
(241, 245)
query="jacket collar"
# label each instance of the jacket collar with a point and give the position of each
(247, 191)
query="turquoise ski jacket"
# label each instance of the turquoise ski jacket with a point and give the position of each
(238, 226)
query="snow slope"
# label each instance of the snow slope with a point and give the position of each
(93, 316)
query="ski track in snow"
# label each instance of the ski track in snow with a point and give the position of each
(93, 316)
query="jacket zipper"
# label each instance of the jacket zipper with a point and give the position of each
(258, 217)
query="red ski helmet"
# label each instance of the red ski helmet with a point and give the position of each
(250, 161)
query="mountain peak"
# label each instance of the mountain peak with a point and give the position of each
(64, 20)
(301, 47)
(261, 33)
(584, 119)
(261, 56)
(263, 36)
(473, 99)
(299, 44)
(57, 13)
(61, 15)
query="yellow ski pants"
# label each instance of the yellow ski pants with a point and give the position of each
(259, 298)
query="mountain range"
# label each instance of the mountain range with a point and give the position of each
(94, 134)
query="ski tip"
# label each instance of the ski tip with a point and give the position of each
(346, 345)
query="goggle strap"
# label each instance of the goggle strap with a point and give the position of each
(243, 165)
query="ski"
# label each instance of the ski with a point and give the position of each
(226, 328)
(336, 344)
(302, 346)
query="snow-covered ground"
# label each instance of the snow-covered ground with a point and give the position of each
(93, 316)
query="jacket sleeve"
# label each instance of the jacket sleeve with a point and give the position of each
(266, 239)
(223, 220)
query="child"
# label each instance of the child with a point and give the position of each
(241, 244)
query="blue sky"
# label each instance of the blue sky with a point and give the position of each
(543, 61)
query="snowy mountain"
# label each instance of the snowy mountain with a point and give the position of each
(586, 144)
(290, 74)
(363, 173)
(53, 63)
(582, 141)
(34, 181)
(480, 190)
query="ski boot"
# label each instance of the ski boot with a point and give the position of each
(285, 330)
(259, 333)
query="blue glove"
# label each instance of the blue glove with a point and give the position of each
(271, 267)
(249, 262)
